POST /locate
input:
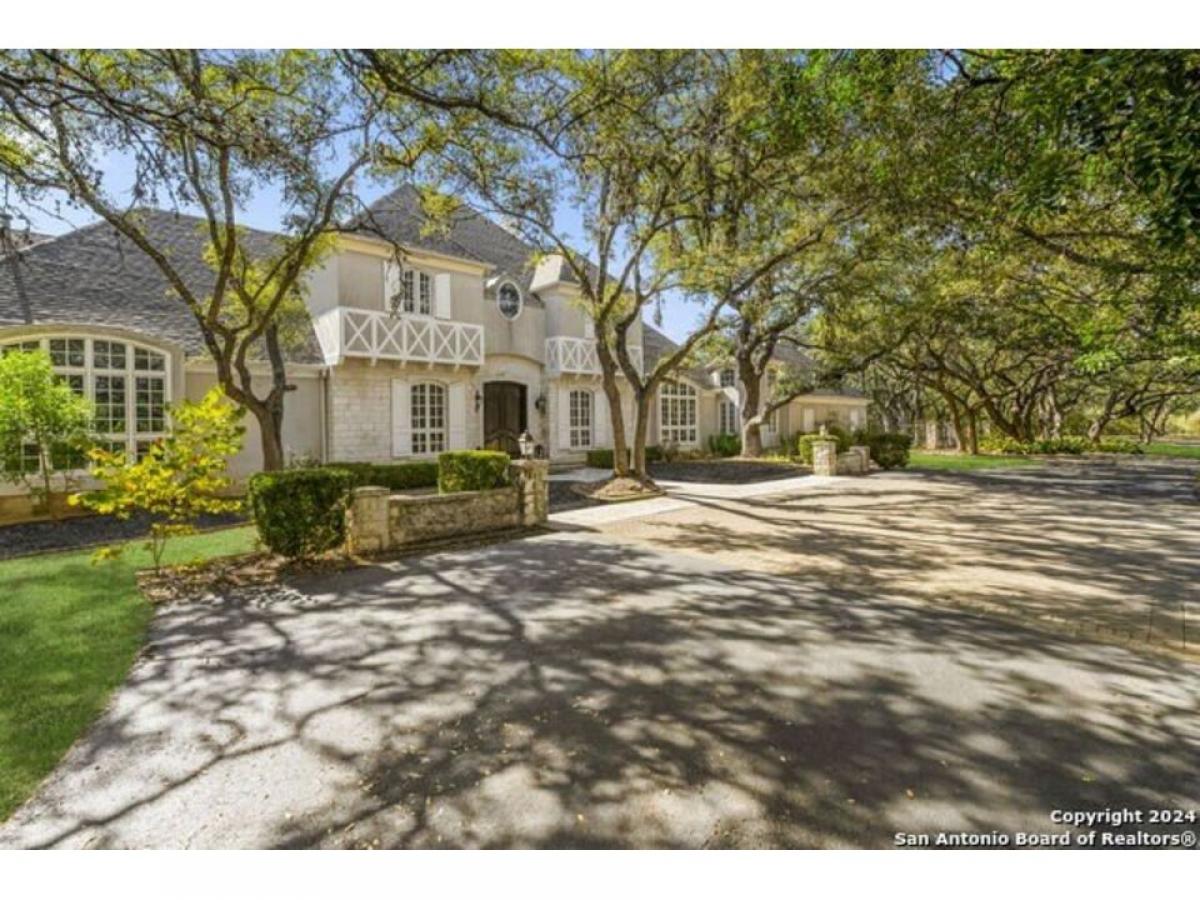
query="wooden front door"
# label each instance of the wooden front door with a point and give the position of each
(504, 415)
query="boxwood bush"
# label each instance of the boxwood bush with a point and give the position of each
(394, 476)
(300, 512)
(603, 459)
(1070, 444)
(889, 450)
(472, 470)
(724, 444)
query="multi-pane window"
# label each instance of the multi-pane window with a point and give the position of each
(677, 413)
(428, 415)
(416, 292)
(727, 378)
(581, 419)
(127, 385)
(727, 417)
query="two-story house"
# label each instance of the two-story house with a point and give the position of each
(470, 342)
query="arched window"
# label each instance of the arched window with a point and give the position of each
(581, 419)
(128, 385)
(508, 299)
(677, 413)
(727, 378)
(428, 415)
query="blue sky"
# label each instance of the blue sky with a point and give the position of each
(263, 211)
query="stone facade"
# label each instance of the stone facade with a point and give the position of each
(380, 521)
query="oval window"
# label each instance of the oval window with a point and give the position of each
(508, 298)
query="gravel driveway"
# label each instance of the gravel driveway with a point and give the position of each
(576, 690)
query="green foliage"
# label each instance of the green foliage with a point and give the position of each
(472, 470)
(43, 423)
(394, 476)
(603, 459)
(300, 512)
(178, 479)
(1069, 445)
(724, 444)
(804, 443)
(890, 450)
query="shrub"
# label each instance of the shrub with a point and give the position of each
(472, 470)
(724, 444)
(393, 476)
(179, 478)
(890, 450)
(603, 459)
(1118, 445)
(805, 441)
(300, 512)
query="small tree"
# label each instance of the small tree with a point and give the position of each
(43, 423)
(180, 477)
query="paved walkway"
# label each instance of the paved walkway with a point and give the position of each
(587, 690)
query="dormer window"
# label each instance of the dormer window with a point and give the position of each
(508, 300)
(727, 378)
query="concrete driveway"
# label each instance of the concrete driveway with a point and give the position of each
(573, 690)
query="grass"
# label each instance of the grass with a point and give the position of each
(1180, 451)
(953, 462)
(69, 631)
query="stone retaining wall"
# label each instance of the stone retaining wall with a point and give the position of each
(381, 521)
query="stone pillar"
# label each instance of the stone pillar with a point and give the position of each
(864, 453)
(532, 478)
(367, 521)
(824, 457)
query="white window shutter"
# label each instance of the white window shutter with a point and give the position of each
(564, 419)
(589, 327)
(441, 295)
(457, 399)
(401, 419)
(809, 423)
(601, 421)
(391, 282)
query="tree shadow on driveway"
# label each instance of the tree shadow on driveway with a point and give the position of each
(566, 691)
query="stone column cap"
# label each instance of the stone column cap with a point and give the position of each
(370, 490)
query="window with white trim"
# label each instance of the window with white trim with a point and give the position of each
(727, 378)
(677, 413)
(581, 419)
(416, 292)
(727, 417)
(128, 386)
(427, 411)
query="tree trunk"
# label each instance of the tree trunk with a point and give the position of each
(973, 431)
(641, 427)
(608, 380)
(751, 397)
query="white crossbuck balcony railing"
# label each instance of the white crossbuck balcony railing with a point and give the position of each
(344, 331)
(577, 356)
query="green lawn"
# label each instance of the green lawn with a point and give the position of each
(68, 633)
(953, 462)
(1182, 451)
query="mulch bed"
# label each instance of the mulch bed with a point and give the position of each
(79, 532)
(726, 471)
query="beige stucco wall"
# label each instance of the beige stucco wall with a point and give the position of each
(301, 420)
(523, 336)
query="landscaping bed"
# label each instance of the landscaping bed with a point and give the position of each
(726, 471)
(78, 532)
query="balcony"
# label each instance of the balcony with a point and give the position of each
(364, 333)
(577, 356)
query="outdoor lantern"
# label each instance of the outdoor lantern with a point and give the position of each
(525, 441)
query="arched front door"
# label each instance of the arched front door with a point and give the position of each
(505, 415)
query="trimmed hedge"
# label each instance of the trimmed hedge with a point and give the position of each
(393, 476)
(724, 444)
(1072, 445)
(889, 450)
(603, 459)
(300, 512)
(472, 470)
(805, 441)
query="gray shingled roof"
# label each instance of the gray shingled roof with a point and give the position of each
(656, 345)
(94, 276)
(399, 217)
